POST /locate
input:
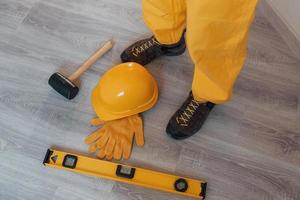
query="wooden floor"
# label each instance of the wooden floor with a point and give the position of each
(248, 149)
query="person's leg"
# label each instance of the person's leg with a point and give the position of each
(167, 20)
(217, 34)
(217, 38)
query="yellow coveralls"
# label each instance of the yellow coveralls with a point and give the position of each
(216, 37)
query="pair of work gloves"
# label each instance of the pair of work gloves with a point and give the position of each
(114, 139)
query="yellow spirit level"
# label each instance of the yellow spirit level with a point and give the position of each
(125, 173)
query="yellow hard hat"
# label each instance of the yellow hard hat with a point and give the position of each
(124, 90)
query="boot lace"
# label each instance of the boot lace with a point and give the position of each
(137, 50)
(184, 118)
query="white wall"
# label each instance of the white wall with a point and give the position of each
(289, 11)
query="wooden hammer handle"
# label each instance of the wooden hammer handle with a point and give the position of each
(91, 60)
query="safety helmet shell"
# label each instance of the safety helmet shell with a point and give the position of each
(124, 90)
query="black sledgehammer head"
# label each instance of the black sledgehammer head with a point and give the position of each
(63, 85)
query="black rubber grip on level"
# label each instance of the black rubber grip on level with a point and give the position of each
(47, 156)
(203, 190)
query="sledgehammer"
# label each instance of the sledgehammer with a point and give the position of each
(64, 85)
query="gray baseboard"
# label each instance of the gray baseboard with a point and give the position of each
(281, 26)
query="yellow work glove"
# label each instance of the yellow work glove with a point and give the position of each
(115, 138)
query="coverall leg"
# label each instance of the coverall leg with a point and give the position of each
(216, 36)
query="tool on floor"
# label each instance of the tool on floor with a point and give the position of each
(124, 173)
(65, 85)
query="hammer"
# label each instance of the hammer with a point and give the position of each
(64, 85)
